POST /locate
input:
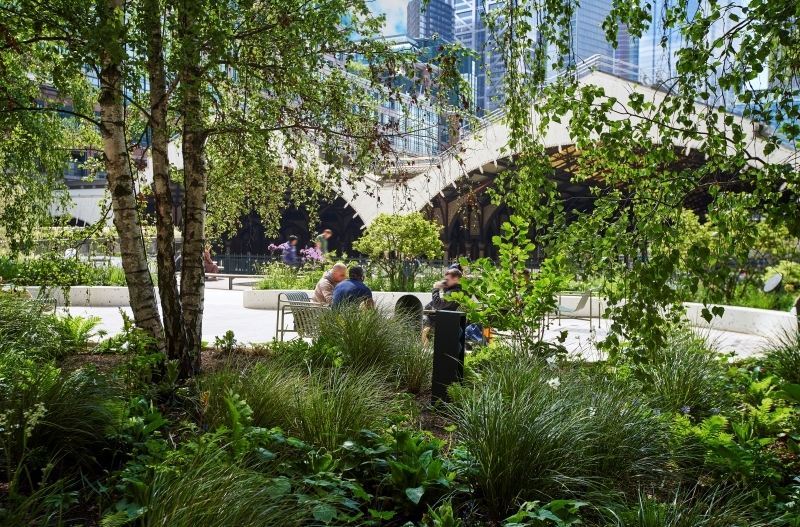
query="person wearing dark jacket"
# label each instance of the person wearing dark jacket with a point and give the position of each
(353, 290)
(290, 252)
(441, 291)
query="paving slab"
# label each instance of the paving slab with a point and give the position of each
(224, 311)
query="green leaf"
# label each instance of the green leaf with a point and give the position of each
(790, 392)
(415, 494)
(324, 513)
(385, 515)
(280, 486)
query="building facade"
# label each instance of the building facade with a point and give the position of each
(434, 20)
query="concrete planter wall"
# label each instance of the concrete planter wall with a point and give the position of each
(762, 322)
(98, 296)
(268, 298)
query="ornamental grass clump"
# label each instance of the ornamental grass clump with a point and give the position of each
(685, 376)
(542, 432)
(208, 492)
(269, 389)
(782, 356)
(47, 414)
(335, 404)
(26, 329)
(415, 367)
(715, 507)
(321, 408)
(367, 339)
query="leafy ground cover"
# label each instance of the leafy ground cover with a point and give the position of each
(341, 431)
(58, 272)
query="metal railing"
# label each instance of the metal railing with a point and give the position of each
(250, 264)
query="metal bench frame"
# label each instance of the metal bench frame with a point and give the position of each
(305, 314)
(230, 277)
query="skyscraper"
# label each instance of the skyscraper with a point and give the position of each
(471, 32)
(435, 19)
(587, 35)
(627, 54)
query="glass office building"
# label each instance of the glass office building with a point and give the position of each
(434, 20)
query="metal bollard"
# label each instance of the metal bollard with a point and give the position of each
(448, 352)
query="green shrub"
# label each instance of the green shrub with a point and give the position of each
(56, 271)
(685, 376)
(541, 433)
(25, 328)
(278, 275)
(782, 356)
(483, 357)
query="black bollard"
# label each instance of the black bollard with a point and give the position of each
(448, 352)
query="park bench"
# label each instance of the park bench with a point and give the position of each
(567, 312)
(230, 277)
(305, 314)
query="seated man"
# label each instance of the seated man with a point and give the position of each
(323, 293)
(441, 290)
(353, 290)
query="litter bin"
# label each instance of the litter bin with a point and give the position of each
(410, 307)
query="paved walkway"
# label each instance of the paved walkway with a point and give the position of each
(224, 311)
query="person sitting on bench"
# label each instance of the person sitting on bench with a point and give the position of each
(208, 263)
(353, 290)
(323, 293)
(441, 291)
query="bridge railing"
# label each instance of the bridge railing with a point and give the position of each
(250, 264)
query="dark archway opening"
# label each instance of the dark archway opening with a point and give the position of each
(337, 216)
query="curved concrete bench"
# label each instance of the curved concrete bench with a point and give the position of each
(748, 320)
(96, 296)
(763, 322)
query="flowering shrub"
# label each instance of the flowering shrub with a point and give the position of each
(311, 255)
(277, 248)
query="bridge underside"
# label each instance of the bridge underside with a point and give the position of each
(470, 219)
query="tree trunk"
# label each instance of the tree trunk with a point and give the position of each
(195, 182)
(123, 199)
(165, 225)
(193, 271)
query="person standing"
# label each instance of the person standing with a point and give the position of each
(290, 256)
(411, 267)
(322, 241)
(353, 289)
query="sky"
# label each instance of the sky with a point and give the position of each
(395, 11)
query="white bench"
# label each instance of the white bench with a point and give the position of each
(230, 277)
